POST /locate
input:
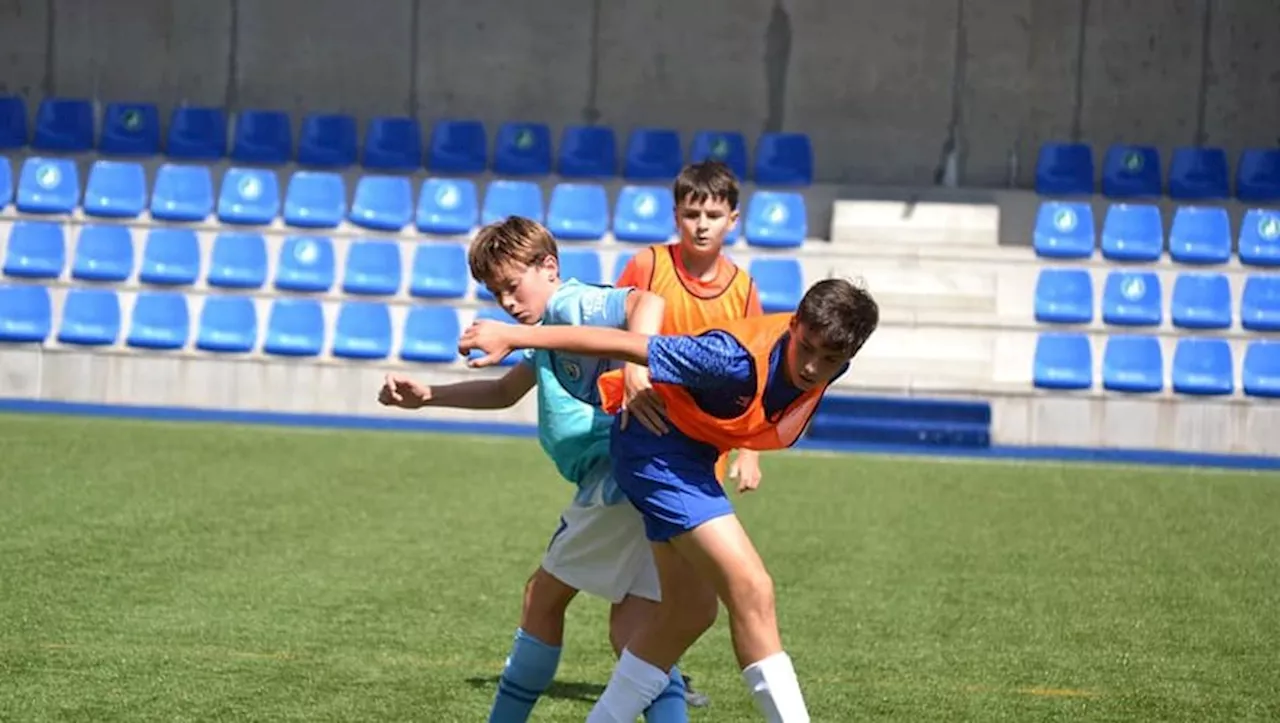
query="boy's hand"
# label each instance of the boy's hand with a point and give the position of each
(401, 391)
(640, 400)
(491, 337)
(747, 470)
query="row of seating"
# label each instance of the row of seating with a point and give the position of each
(266, 137)
(1135, 364)
(1135, 233)
(1135, 171)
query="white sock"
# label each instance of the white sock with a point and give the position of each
(634, 686)
(774, 687)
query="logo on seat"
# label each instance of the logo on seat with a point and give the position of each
(646, 206)
(1269, 228)
(132, 120)
(48, 176)
(1133, 161)
(250, 188)
(306, 251)
(1133, 288)
(778, 214)
(720, 149)
(524, 141)
(1064, 220)
(447, 196)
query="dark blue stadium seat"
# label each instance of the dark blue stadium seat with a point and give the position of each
(581, 264)
(295, 327)
(306, 264)
(1200, 235)
(182, 193)
(522, 149)
(116, 189)
(1065, 230)
(1258, 175)
(1260, 376)
(26, 314)
(1134, 364)
(262, 137)
(776, 219)
(653, 154)
(130, 129)
(6, 182)
(1203, 366)
(48, 185)
(459, 147)
(430, 335)
(383, 203)
(363, 331)
(492, 313)
(1132, 172)
(160, 320)
(171, 257)
(238, 261)
(644, 214)
(439, 271)
(1133, 232)
(393, 144)
(228, 324)
(249, 196)
(779, 281)
(1064, 296)
(578, 212)
(373, 268)
(315, 199)
(1132, 298)
(512, 198)
(1063, 361)
(328, 140)
(1260, 303)
(447, 206)
(197, 133)
(620, 263)
(14, 132)
(37, 250)
(1197, 174)
(1260, 237)
(1201, 301)
(1065, 169)
(64, 125)
(784, 159)
(728, 147)
(90, 317)
(588, 152)
(103, 253)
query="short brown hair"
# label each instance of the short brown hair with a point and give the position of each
(841, 314)
(713, 180)
(514, 240)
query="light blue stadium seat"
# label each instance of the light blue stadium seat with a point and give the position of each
(779, 281)
(458, 147)
(295, 327)
(1132, 298)
(48, 185)
(116, 189)
(36, 250)
(1133, 363)
(1063, 361)
(1260, 303)
(26, 314)
(171, 257)
(1133, 232)
(493, 313)
(1201, 301)
(447, 206)
(439, 271)
(393, 144)
(373, 268)
(1200, 235)
(6, 182)
(512, 198)
(644, 214)
(1065, 230)
(1203, 366)
(328, 140)
(315, 199)
(363, 331)
(1065, 169)
(160, 320)
(620, 263)
(522, 149)
(130, 129)
(249, 196)
(228, 324)
(263, 137)
(1260, 376)
(430, 335)
(197, 133)
(727, 147)
(1259, 243)
(1132, 172)
(14, 132)
(776, 219)
(383, 203)
(581, 264)
(784, 159)
(103, 253)
(182, 193)
(653, 154)
(1064, 296)
(90, 317)
(306, 264)
(1258, 175)
(1197, 174)
(238, 261)
(578, 212)
(64, 125)
(588, 152)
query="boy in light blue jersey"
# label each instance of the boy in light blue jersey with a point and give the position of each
(599, 545)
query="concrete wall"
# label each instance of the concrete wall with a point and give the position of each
(880, 86)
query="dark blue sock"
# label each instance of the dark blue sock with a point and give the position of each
(530, 669)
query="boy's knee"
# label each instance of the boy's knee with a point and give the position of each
(753, 594)
(546, 598)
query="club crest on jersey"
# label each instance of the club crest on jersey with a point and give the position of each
(572, 370)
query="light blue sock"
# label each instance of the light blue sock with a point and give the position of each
(530, 669)
(669, 706)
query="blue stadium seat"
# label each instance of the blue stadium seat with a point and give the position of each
(512, 198)
(37, 250)
(263, 137)
(1200, 235)
(522, 149)
(1132, 172)
(363, 331)
(238, 261)
(1258, 175)
(6, 182)
(228, 324)
(182, 193)
(1065, 230)
(328, 140)
(1063, 361)
(373, 268)
(383, 203)
(393, 144)
(26, 314)
(197, 133)
(779, 281)
(90, 317)
(249, 196)
(653, 154)
(588, 152)
(1260, 237)
(171, 257)
(64, 125)
(1132, 298)
(103, 253)
(1065, 169)
(1203, 366)
(1260, 303)
(430, 335)
(493, 313)
(581, 264)
(48, 185)
(1260, 376)
(1133, 232)
(160, 320)
(728, 147)
(116, 189)
(1133, 364)
(1064, 296)
(1197, 174)
(295, 327)
(315, 199)
(644, 214)
(306, 264)
(784, 159)
(14, 132)
(459, 147)
(578, 212)
(130, 129)
(776, 219)
(620, 263)
(447, 206)
(1201, 301)
(439, 271)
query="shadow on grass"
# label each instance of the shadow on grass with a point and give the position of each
(559, 690)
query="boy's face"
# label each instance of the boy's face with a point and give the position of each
(522, 291)
(809, 363)
(704, 224)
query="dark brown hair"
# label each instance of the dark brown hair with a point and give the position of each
(842, 315)
(513, 241)
(713, 180)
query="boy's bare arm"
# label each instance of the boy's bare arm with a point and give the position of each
(401, 391)
(497, 339)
